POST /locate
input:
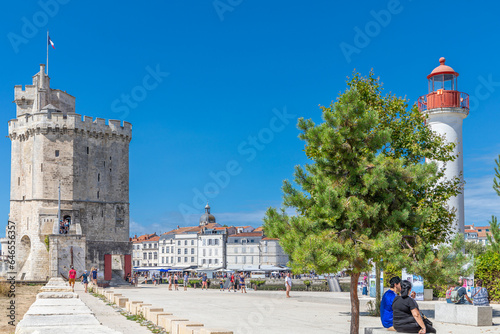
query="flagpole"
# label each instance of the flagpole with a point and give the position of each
(47, 67)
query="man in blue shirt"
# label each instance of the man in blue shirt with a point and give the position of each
(386, 303)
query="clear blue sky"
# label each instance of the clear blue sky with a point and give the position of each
(233, 66)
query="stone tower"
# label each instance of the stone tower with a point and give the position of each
(54, 147)
(447, 108)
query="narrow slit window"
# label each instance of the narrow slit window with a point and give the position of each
(97, 194)
(57, 153)
(98, 177)
(88, 150)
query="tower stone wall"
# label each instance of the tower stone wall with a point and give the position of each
(88, 158)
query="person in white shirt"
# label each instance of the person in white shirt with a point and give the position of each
(288, 285)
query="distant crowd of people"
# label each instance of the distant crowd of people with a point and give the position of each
(64, 226)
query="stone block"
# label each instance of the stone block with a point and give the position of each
(134, 306)
(147, 309)
(68, 329)
(214, 331)
(56, 289)
(120, 301)
(139, 308)
(154, 316)
(58, 320)
(188, 327)
(464, 314)
(428, 294)
(174, 324)
(165, 321)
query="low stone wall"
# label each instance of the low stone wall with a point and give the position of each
(464, 314)
(58, 309)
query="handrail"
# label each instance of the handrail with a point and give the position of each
(443, 99)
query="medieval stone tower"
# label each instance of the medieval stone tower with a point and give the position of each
(88, 160)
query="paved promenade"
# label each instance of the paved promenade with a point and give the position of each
(270, 312)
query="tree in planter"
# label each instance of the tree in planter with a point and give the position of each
(366, 195)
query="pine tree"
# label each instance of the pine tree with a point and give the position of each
(494, 238)
(366, 195)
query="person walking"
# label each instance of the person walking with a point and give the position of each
(242, 282)
(186, 281)
(72, 277)
(170, 281)
(204, 282)
(85, 280)
(221, 285)
(288, 285)
(93, 274)
(231, 280)
(176, 282)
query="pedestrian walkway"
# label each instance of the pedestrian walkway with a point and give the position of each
(108, 316)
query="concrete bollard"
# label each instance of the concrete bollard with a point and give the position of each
(214, 331)
(165, 321)
(175, 325)
(188, 327)
(129, 304)
(121, 301)
(148, 309)
(153, 316)
(140, 307)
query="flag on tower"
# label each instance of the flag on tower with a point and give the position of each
(50, 42)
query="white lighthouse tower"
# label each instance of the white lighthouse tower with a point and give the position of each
(447, 108)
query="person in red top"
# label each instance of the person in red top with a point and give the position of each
(72, 277)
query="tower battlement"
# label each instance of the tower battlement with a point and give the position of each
(50, 121)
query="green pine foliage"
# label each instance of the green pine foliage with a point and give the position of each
(366, 194)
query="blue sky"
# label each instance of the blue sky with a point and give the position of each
(233, 76)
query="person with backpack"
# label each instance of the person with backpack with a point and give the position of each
(459, 294)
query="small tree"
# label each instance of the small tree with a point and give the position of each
(366, 195)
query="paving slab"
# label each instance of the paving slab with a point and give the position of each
(61, 302)
(68, 329)
(56, 295)
(58, 320)
(58, 309)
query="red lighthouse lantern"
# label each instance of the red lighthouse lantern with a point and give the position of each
(443, 90)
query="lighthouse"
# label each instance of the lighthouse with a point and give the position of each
(446, 108)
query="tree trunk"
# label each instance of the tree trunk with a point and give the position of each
(377, 289)
(354, 304)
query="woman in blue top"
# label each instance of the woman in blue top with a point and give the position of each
(85, 280)
(386, 303)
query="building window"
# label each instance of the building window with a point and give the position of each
(88, 150)
(204, 252)
(210, 252)
(215, 251)
(204, 243)
(192, 250)
(192, 259)
(179, 259)
(186, 259)
(150, 256)
(216, 241)
(216, 261)
(166, 260)
(41, 167)
(209, 242)
(178, 243)
(192, 242)
(179, 251)
(185, 250)
(185, 242)
(209, 261)
(171, 249)
(57, 153)
(155, 255)
(145, 256)
(203, 261)
(236, 259)
(168, 249)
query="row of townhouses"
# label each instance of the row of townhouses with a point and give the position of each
(209, 246)
(477, 234)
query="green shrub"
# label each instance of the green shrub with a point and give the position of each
(257, 282)
(488, 269)
(345, 287)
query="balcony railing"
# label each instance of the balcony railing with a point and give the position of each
(444, 99)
